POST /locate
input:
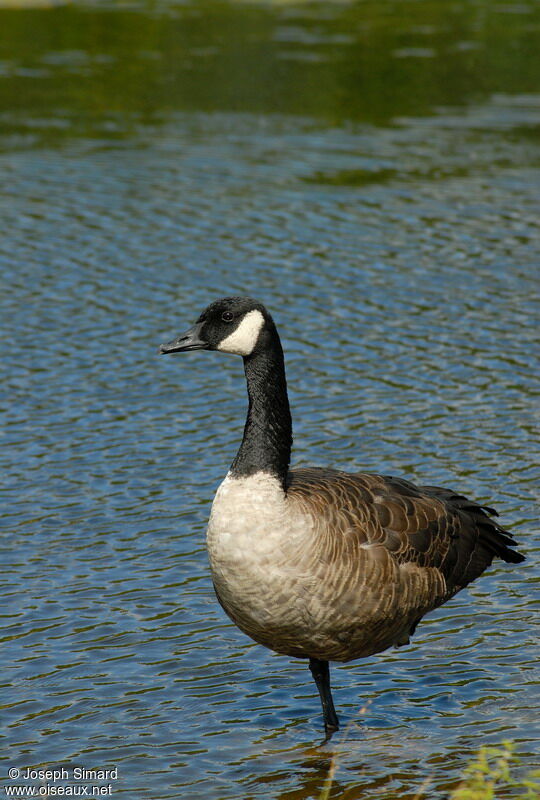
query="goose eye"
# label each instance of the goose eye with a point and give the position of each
(227, 316)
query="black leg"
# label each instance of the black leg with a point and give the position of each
(321, 675)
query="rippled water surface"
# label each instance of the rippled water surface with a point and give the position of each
(371, 172)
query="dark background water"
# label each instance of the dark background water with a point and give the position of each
(371, 172)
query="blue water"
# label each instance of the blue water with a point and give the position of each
(401, 265)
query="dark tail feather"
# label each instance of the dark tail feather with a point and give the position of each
(493, 537)
(512, 556)
(497, 539)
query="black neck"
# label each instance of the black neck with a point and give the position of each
(267, 441)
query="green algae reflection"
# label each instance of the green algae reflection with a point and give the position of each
(82, 69)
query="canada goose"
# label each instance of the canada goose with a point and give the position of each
(317, 563)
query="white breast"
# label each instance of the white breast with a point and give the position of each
(254, 541)
(247, 521)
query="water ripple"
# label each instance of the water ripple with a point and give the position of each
(407, 308)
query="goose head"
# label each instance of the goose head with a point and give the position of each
(238, 325)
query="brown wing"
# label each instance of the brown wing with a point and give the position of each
(425, 526)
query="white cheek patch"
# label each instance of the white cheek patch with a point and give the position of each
(242, 341)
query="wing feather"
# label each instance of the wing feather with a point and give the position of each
(425, 526)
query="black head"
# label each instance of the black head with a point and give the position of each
(236, 325)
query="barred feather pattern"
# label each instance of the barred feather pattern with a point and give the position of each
(339, 566)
